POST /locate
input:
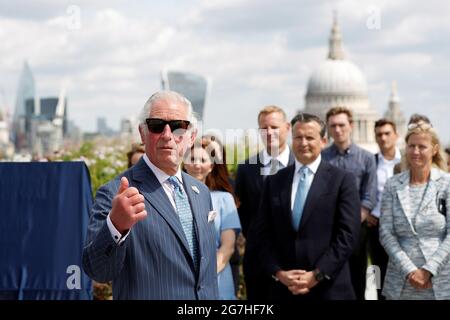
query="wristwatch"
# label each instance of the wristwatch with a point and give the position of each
(319, 275)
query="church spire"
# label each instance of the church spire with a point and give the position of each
(394, 113)
(394, 99)
(335, 41)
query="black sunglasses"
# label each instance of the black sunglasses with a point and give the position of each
(178, 127)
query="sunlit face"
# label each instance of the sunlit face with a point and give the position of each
(420, 150)
(199, 164)
(386, 137)
(275, 131)
(165, 150)
(307, 142)
(340, 128)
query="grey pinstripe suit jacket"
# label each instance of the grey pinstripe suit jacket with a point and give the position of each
(424, 244)
(154, 261)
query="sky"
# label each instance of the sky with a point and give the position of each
(109, 54)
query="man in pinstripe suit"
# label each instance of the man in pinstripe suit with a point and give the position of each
(152, 229)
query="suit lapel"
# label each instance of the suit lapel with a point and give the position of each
(285, 192)
(155, 195)
(318, 185)
(403, 197)
(431, 190)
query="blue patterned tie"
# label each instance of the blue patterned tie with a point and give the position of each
(186, 219)
(300, 196)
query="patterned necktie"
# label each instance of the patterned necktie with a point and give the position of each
(186, 219)
(300, 196)
(272, 168)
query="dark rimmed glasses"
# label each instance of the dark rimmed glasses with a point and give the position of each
(178, 127)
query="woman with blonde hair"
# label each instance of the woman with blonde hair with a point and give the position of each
(414, 224)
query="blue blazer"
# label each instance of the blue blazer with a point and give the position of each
(154, 261)
(328, 232)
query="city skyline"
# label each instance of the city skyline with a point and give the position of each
(256, 53)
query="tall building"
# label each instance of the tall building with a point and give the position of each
(193, 86)
(129, 128)
(102, 126)
(395, 114)
(25, 91)
(339, 82)
(6, 147)
(46, 124)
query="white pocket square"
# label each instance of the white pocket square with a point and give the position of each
(195, 189)
(212, 215)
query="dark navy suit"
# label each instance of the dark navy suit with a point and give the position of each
(154, 261)
(327, 235)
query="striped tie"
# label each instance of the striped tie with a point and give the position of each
(186, 219)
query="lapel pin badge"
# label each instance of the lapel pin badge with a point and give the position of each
(195, 189)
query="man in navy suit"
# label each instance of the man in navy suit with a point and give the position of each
(308, 222)
(152, 228)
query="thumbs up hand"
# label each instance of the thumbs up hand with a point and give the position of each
(128, 207)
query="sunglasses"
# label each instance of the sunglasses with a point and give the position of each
(178, 127)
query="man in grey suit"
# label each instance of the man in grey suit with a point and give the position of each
(152, 228)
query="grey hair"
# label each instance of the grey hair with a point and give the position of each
(166, 95)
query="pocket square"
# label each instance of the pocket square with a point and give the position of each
(195, 189)
(212, 215)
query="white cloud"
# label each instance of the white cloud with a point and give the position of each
(255, 52)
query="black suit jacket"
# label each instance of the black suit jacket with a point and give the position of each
(249, 183)
(327, 235)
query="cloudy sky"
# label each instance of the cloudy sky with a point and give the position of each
(109, 54)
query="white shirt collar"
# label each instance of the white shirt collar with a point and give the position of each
(313, 166)
(161, 175)
(397, 157)
(283, 157)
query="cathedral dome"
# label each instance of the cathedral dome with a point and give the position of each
(339, 82)
(337, 77)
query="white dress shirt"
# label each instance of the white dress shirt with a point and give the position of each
(385, 170)
(313, 166)
(168, 189)
(266, 159)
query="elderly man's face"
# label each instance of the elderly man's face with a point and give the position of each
(165, 149)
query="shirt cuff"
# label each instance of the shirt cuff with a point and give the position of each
(116, 235)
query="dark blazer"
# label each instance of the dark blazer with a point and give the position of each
(154, 261)
(249, 183)
(327, 235)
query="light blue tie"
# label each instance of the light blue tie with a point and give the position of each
(300, 196)
(186, 219)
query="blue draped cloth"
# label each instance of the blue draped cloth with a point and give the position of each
(44, 213)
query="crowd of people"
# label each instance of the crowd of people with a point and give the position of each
(313, 214)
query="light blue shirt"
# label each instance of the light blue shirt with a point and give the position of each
(313, 166)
